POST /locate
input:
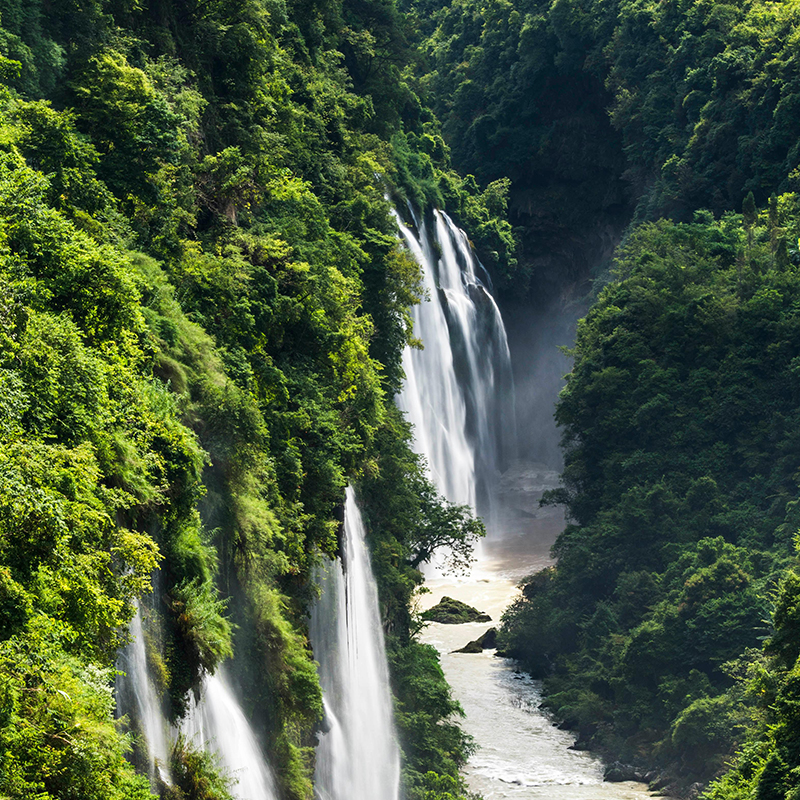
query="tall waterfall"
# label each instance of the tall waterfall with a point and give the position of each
(218, 724)
(458, 392)
(357, 758)
(137, 697)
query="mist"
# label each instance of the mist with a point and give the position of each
(539, 365)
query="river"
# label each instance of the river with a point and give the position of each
(459, 395)
(521, 754)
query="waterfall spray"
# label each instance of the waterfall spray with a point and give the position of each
(357, 758)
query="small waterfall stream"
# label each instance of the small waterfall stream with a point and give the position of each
(217, 723)
(357, 758)
(137, 697)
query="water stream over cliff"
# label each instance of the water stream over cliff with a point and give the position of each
(217, 723)
(357, 757)
(459, 396)
(458, 392)
(138, 699)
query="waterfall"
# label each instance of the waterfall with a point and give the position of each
(217, 723)
(137, 697)
(458, 392)
(357, 757)
(431, 397)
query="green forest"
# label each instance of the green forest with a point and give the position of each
(203, 310)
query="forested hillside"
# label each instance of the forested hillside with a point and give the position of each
(203, 308)
(680, 420)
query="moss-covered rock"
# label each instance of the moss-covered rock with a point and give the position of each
(454, 612)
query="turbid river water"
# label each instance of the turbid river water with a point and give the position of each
(522, 755)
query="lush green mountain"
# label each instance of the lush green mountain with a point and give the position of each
(203, 307)
(602, 111)
(680, 420)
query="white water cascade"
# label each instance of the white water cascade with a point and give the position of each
(357, 757)
(217, 723)
(137, 697)
(458, 392)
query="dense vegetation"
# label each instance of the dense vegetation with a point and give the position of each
(203, 308)
(597, 111)
(680, 422)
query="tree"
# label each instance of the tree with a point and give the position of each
(445, 526)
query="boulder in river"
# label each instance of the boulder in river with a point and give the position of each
(618, 772)
(486, 642)
(470, 647)
(580, 745)
(489, 639)
(454, 612)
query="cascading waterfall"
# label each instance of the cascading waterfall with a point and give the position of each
(138, 699)
(357, 757)
(458, 392)
(217, 723)
(431, 397)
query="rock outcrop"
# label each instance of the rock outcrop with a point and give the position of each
(454, 612)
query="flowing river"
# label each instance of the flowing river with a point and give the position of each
(459, 396)
(522, 755)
